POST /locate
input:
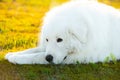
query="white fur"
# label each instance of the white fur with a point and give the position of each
(90, 31)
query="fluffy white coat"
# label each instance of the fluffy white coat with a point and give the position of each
(80, 31)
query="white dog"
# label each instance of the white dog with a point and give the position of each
(78, 31)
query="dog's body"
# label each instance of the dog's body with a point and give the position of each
(82, 31)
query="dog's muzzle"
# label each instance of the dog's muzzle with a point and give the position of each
(49, 58)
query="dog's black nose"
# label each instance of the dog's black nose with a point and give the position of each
(49, 58)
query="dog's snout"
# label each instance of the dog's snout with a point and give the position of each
(49, 58)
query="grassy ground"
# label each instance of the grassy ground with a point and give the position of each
(19, 28)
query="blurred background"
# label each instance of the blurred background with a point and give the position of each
(20, 21)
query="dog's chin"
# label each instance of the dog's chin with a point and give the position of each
(60, 61)
(56, 62)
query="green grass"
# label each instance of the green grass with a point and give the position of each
(91, 71)
(19, 29)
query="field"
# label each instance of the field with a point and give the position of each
(20, 24)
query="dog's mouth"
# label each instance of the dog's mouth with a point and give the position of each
(51, 62)
(64, 58)
(59, 63)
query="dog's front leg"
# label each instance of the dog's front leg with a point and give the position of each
(33, 58)
(28, 51)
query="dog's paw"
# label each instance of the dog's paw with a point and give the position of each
(11, 57)
(8, 55)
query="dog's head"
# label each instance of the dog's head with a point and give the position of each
(63, 35)
(62, 41)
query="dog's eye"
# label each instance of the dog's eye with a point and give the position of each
(59, 40)
(47, 40)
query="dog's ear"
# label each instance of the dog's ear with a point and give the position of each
(80, 33)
